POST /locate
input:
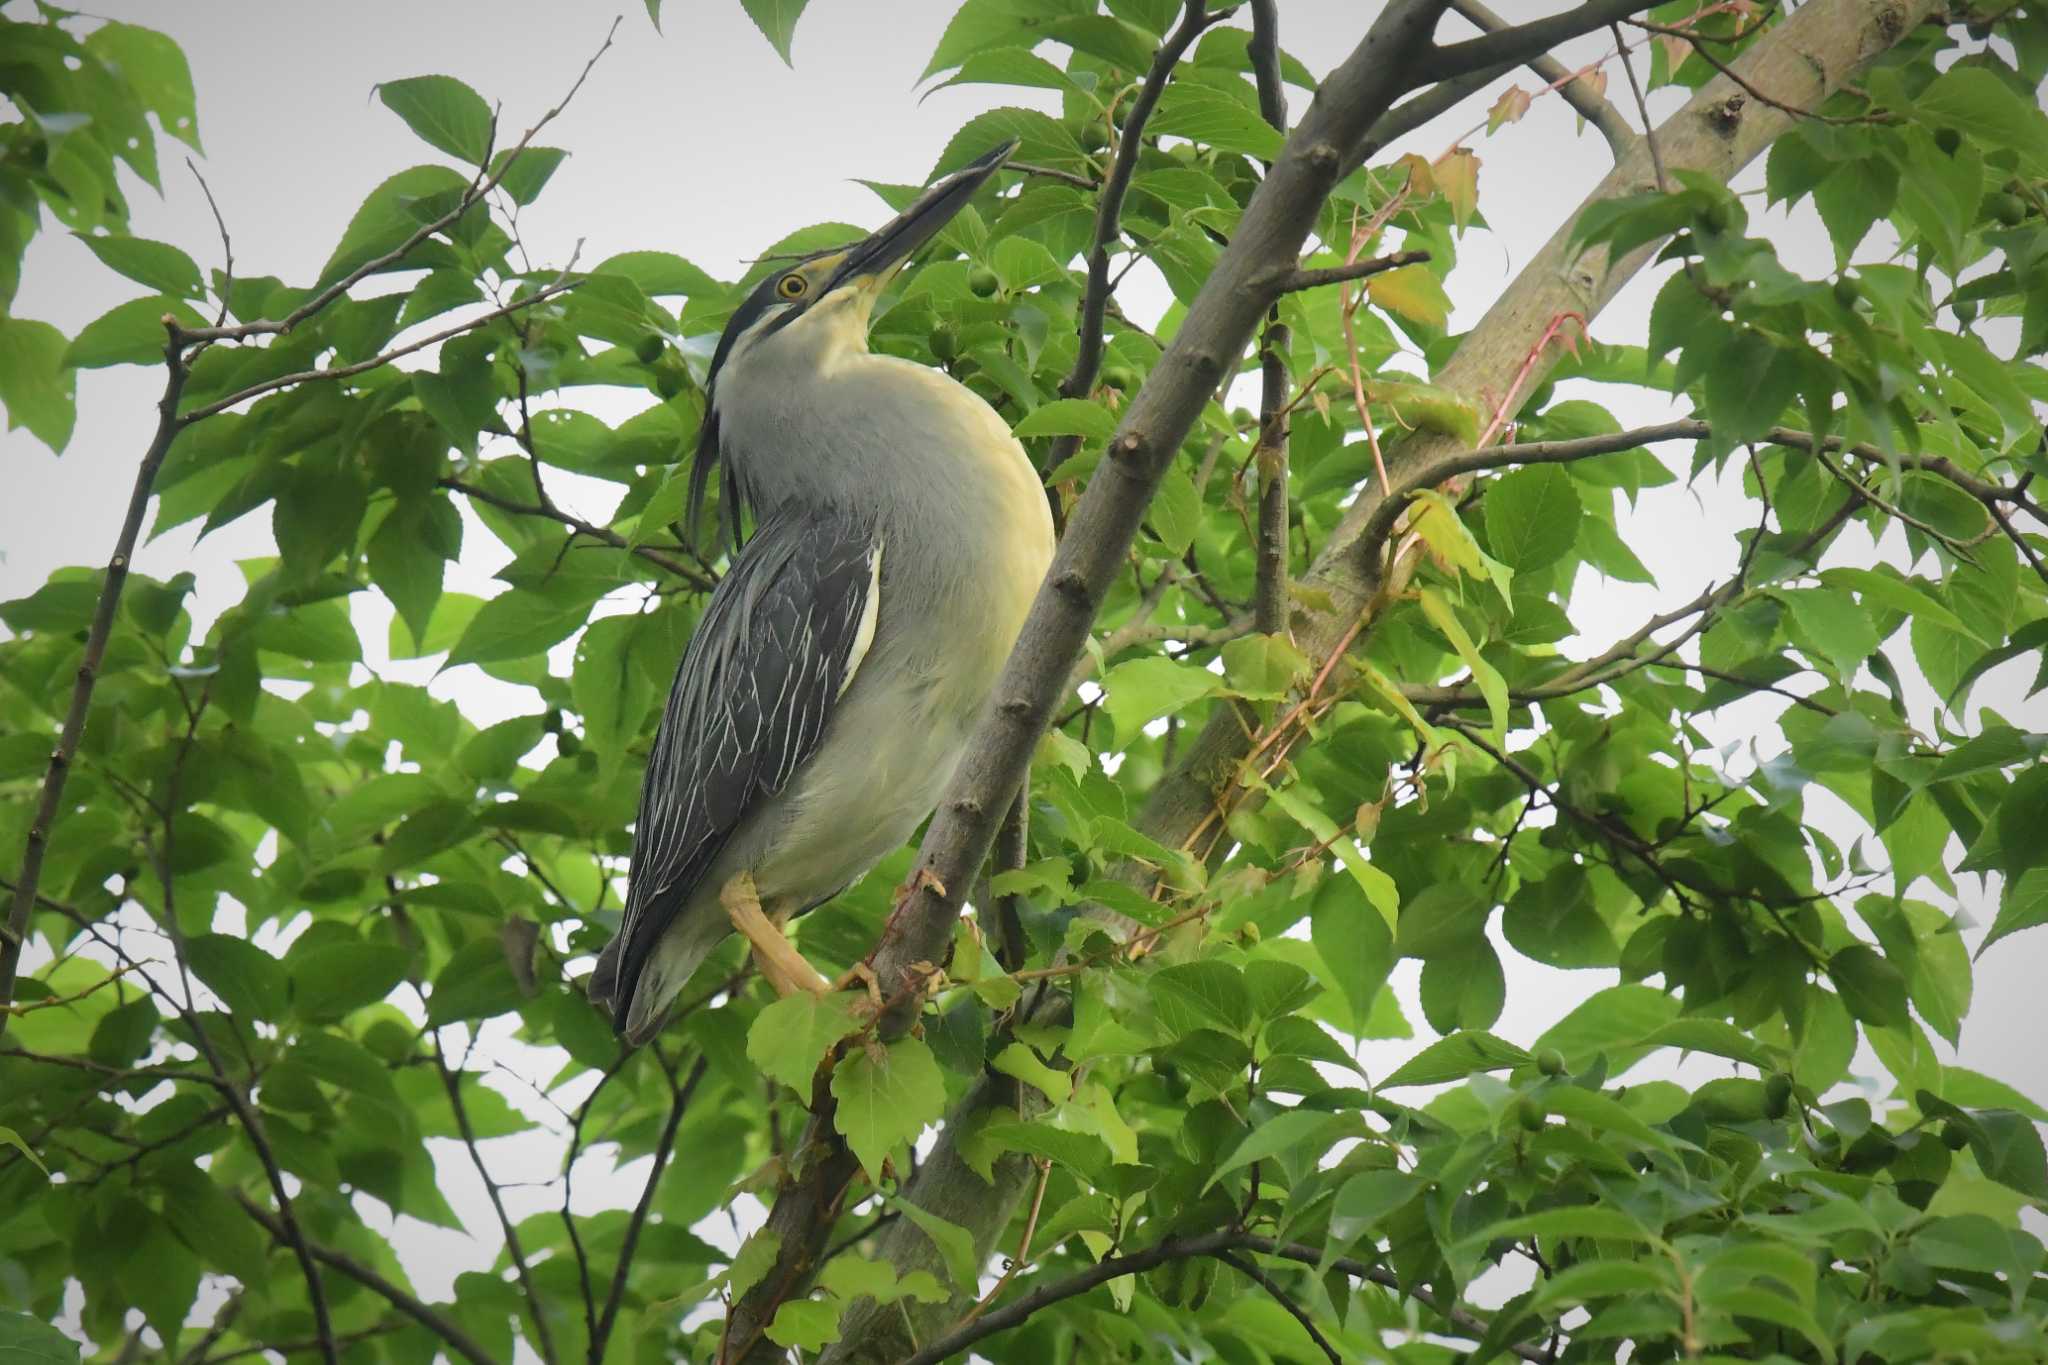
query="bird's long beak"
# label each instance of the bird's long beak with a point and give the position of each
(873, 260)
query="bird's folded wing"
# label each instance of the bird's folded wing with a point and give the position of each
(779, 642)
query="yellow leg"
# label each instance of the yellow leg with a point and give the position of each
(781, 965)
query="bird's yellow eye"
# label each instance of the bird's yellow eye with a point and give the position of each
(793, 287)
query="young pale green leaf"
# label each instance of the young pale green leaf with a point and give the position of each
(1021, 1062)
(886, 1096)
(1492, 685)
(1140, 691)
(446, 114)
(790, 1038)
(805, 1324)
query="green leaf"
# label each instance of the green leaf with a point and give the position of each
(1976, 103)
(388, 217)
(789, 1038)
(446, 114)
(1573, 1222)
(331, 980)
(1198, 995)
(886, 1097)
(1202, 107)
(525, 177)
(154, 265)
(1357, 945)
(1454, 1058)
(805, 1324)
(31, 1341)
(155, 68)
(1021, 1062)
(1310, 1130)
(1068, 417)
(36, 387)
(1532, 517)
(517, 625)
(1872, 988)
(1748, 387)
(777, 21)
(1837, 627)
(249, 981)
(1140, 691)
(2024, 905)
(955, 1246)
(10, 1138)
(131, 333)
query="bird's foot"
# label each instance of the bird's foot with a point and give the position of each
(862, 973)
(782, 966)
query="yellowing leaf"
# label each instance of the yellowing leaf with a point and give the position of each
(1451, 542)
(1413, 293)
(1457, 177)
(1509, 108)
(1491, 685)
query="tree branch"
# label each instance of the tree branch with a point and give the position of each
(1594, 109)
(457, 1340)
(480, 185)
(1283, 1298)
(679, 1101)
(451, 1081)
(604, 535)
(375, 362)
(1521, 43)
(1315, 277)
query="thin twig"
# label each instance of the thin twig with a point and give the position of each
(1591, 107)
(287, 381)
(1315, 277)
(679, 1101)
(602, 534)
(457, 1340)
(1284, 1299)
(451, 1081)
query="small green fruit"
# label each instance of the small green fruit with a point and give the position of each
(1965, 311)
(945, 345)
(1184, 152)
(1529, 1113)
(1120, 377)
(982, 282)
(1777, 1095)
(1242, 417)
(1091, 136)
(650, 348)
(2009, 209)
(1550, 1062)
(1847, 291)
(1718, 217)
(668, 382)
(552, 722)
(567, 744)
(1954, 1137)
(1949, 140)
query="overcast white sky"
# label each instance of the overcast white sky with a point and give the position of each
(704, 143)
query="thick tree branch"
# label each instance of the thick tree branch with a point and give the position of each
(1217, 328)
(1521, 43)
(1822, 46)
(457, 1340)
(1269, 594)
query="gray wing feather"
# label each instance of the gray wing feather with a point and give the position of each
(758, 682)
